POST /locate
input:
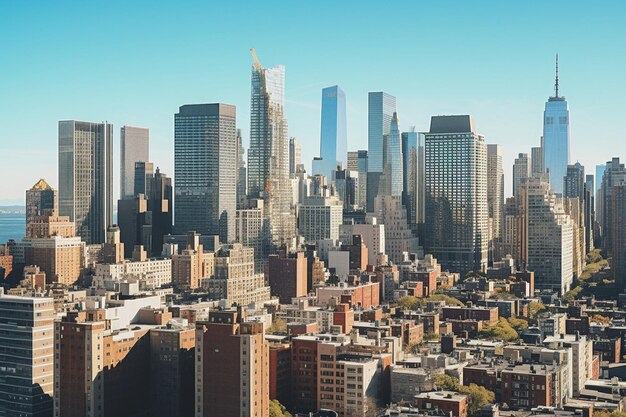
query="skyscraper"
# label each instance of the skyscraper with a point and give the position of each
(144, 172)
(574, 181)
(556, 135)
(134, 147)
(242, 173)
(618, 225)
(333, 137)
(295, 155)
(614, 174)
(26, 355)
(410, 196)
(536, 158)
(392, 160)
(456, 194)
(495, 197)
(357, 161)
(381, 107)
(589, 212)
(86, 177)
(521, 170)
(268, 156)
(41, 200)
(205, 177)
(548, 236)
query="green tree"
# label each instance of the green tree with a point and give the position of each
(501, 330)
(447, 382)
(278, 410)
(534, 308)
(477, 397)
(518, 323)
(408, 302)
(431, 336)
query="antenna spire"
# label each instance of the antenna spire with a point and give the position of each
(556, 80)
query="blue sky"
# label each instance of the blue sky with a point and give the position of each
(136, 62)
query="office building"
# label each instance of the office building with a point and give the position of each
(521, 171)
(536, 158)
(381, 107)
(614, 174)
(357, 161)
(618, 225)
(41, 200)
(251, 233)
(549, 236)
(372, 235)
(190, 266)
(160, 206)
(413, 176)
(26, 356)
(319, 218)
(589, 212)
(295, 155)
(556, 137)
(268, 156)
(134, 147)
(144, 172)
(86, 177)
(399, 238)
(232, 367)
(456, 194)
(205, 178)
(333, 137)
(574, 181)
(242, 172)
(495, 198)
(392, 160)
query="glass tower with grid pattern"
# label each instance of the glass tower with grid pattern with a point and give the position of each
(456, 227)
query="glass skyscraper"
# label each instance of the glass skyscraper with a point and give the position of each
(333, 137)
(268, 156)
(133, 148)
(393, 161)
(86, 177)
(205, 175)
(456, 194)
(380, 109)
(556, 135)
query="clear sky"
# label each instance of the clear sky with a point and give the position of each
(136, 62)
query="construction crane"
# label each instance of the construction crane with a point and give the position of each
(257, 64)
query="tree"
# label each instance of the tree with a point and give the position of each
(279, 326)
(597, 318)
(278, 410)
(534, 308)
(451, 301)
(447, 382)
(408, 302)
(477, 397)
(431, 336)
(501, 330)
(518, 323)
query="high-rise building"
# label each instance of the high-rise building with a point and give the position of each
(86, 177)
(536, 158)
(618, 225)
(205, 176)
(26, 355)
(556, 135)
(41, 200)
(549, 236)
(242, 173)
(589, 212)
(381, 107)
(134, 147)
(392, 160)
(574, 181)
(250, 231)
(334, 136)
(456, 194)
(495, 197)
(232, 367)
(319, 218)
(521, 170)
(268, 156)
(144, 172)
(614, 174)
(398, 236)
(295, 155)
(412, 175)
(357, 161)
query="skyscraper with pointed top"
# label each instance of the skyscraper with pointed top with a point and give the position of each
(556, 133)
(392, 159)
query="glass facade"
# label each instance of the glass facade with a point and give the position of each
(205, 178)
(380, 109)
(556, 141)
(333, 137)
(393, 160)
(456, 227)
(86, 177)
(134, 147)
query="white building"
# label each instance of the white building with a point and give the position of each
(153, 273)
(372, 235)
(320, 218)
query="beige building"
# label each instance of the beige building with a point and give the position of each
(26, 355)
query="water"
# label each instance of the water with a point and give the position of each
(12, 226)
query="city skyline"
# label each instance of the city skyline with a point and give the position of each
(516, 71)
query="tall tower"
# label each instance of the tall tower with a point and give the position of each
(268, 156)
(295, 155)
(380, 109)
(86, 177)
(412, 147)
(392, 160)
(41, 200)
(333, 136)
(134, 147)
(556, 134)
(456, 194)
(521, 171)
(205, 177)
(495, 197)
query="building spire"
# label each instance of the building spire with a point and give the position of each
(556, 80)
